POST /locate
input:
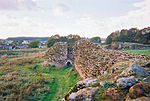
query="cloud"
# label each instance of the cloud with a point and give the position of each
(59, 9)
(27, 23)
(17, 4)
(89, 22)
(134, 18)
(11, 26)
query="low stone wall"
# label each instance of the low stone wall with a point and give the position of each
(92, 60)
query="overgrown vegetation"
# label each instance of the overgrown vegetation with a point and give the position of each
(26, 79)
(99, 94)
(107, 84)
(110, 84)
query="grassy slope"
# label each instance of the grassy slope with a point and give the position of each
(139, 51)
(23, 82)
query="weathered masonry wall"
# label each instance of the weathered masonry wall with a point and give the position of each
(89, 59)
(92, 60)
(58, 55)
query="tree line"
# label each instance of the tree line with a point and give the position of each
(70, 39)
(133, 35)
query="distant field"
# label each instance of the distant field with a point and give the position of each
(23, 77)
(139, 51)
(21, 51)
(16, 53)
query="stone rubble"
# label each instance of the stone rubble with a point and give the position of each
(126, 82)
(86, 94)
(135, 69)
(143, 98)
(138, 90)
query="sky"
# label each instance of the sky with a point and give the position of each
(87, 18)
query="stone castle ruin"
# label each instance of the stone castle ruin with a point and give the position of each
(90, 59)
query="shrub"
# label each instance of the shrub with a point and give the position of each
(99, 94)
(106, 75)
(110, 84)
(34, 44)
(95, 39)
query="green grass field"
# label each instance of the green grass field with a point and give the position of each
(25, 78)
(139, 51)
(61, 80)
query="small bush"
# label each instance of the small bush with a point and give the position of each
(99, 94)
(106, 75)
(110, 84)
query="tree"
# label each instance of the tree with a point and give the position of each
(96, 39)
(70, 39)
(34, 43)
(20, 41)
(113, 37)
(51, 41)
(14, 42)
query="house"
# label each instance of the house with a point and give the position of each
(22, 46)
(7, 46)
(11, 46)
(25, 42)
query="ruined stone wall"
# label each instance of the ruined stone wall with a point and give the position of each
(58, 55)
(89, 59)
(92, 60)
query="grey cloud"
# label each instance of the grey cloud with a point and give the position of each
(8, 4)
(17, 4)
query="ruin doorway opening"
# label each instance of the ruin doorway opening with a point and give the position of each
(69, 63)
